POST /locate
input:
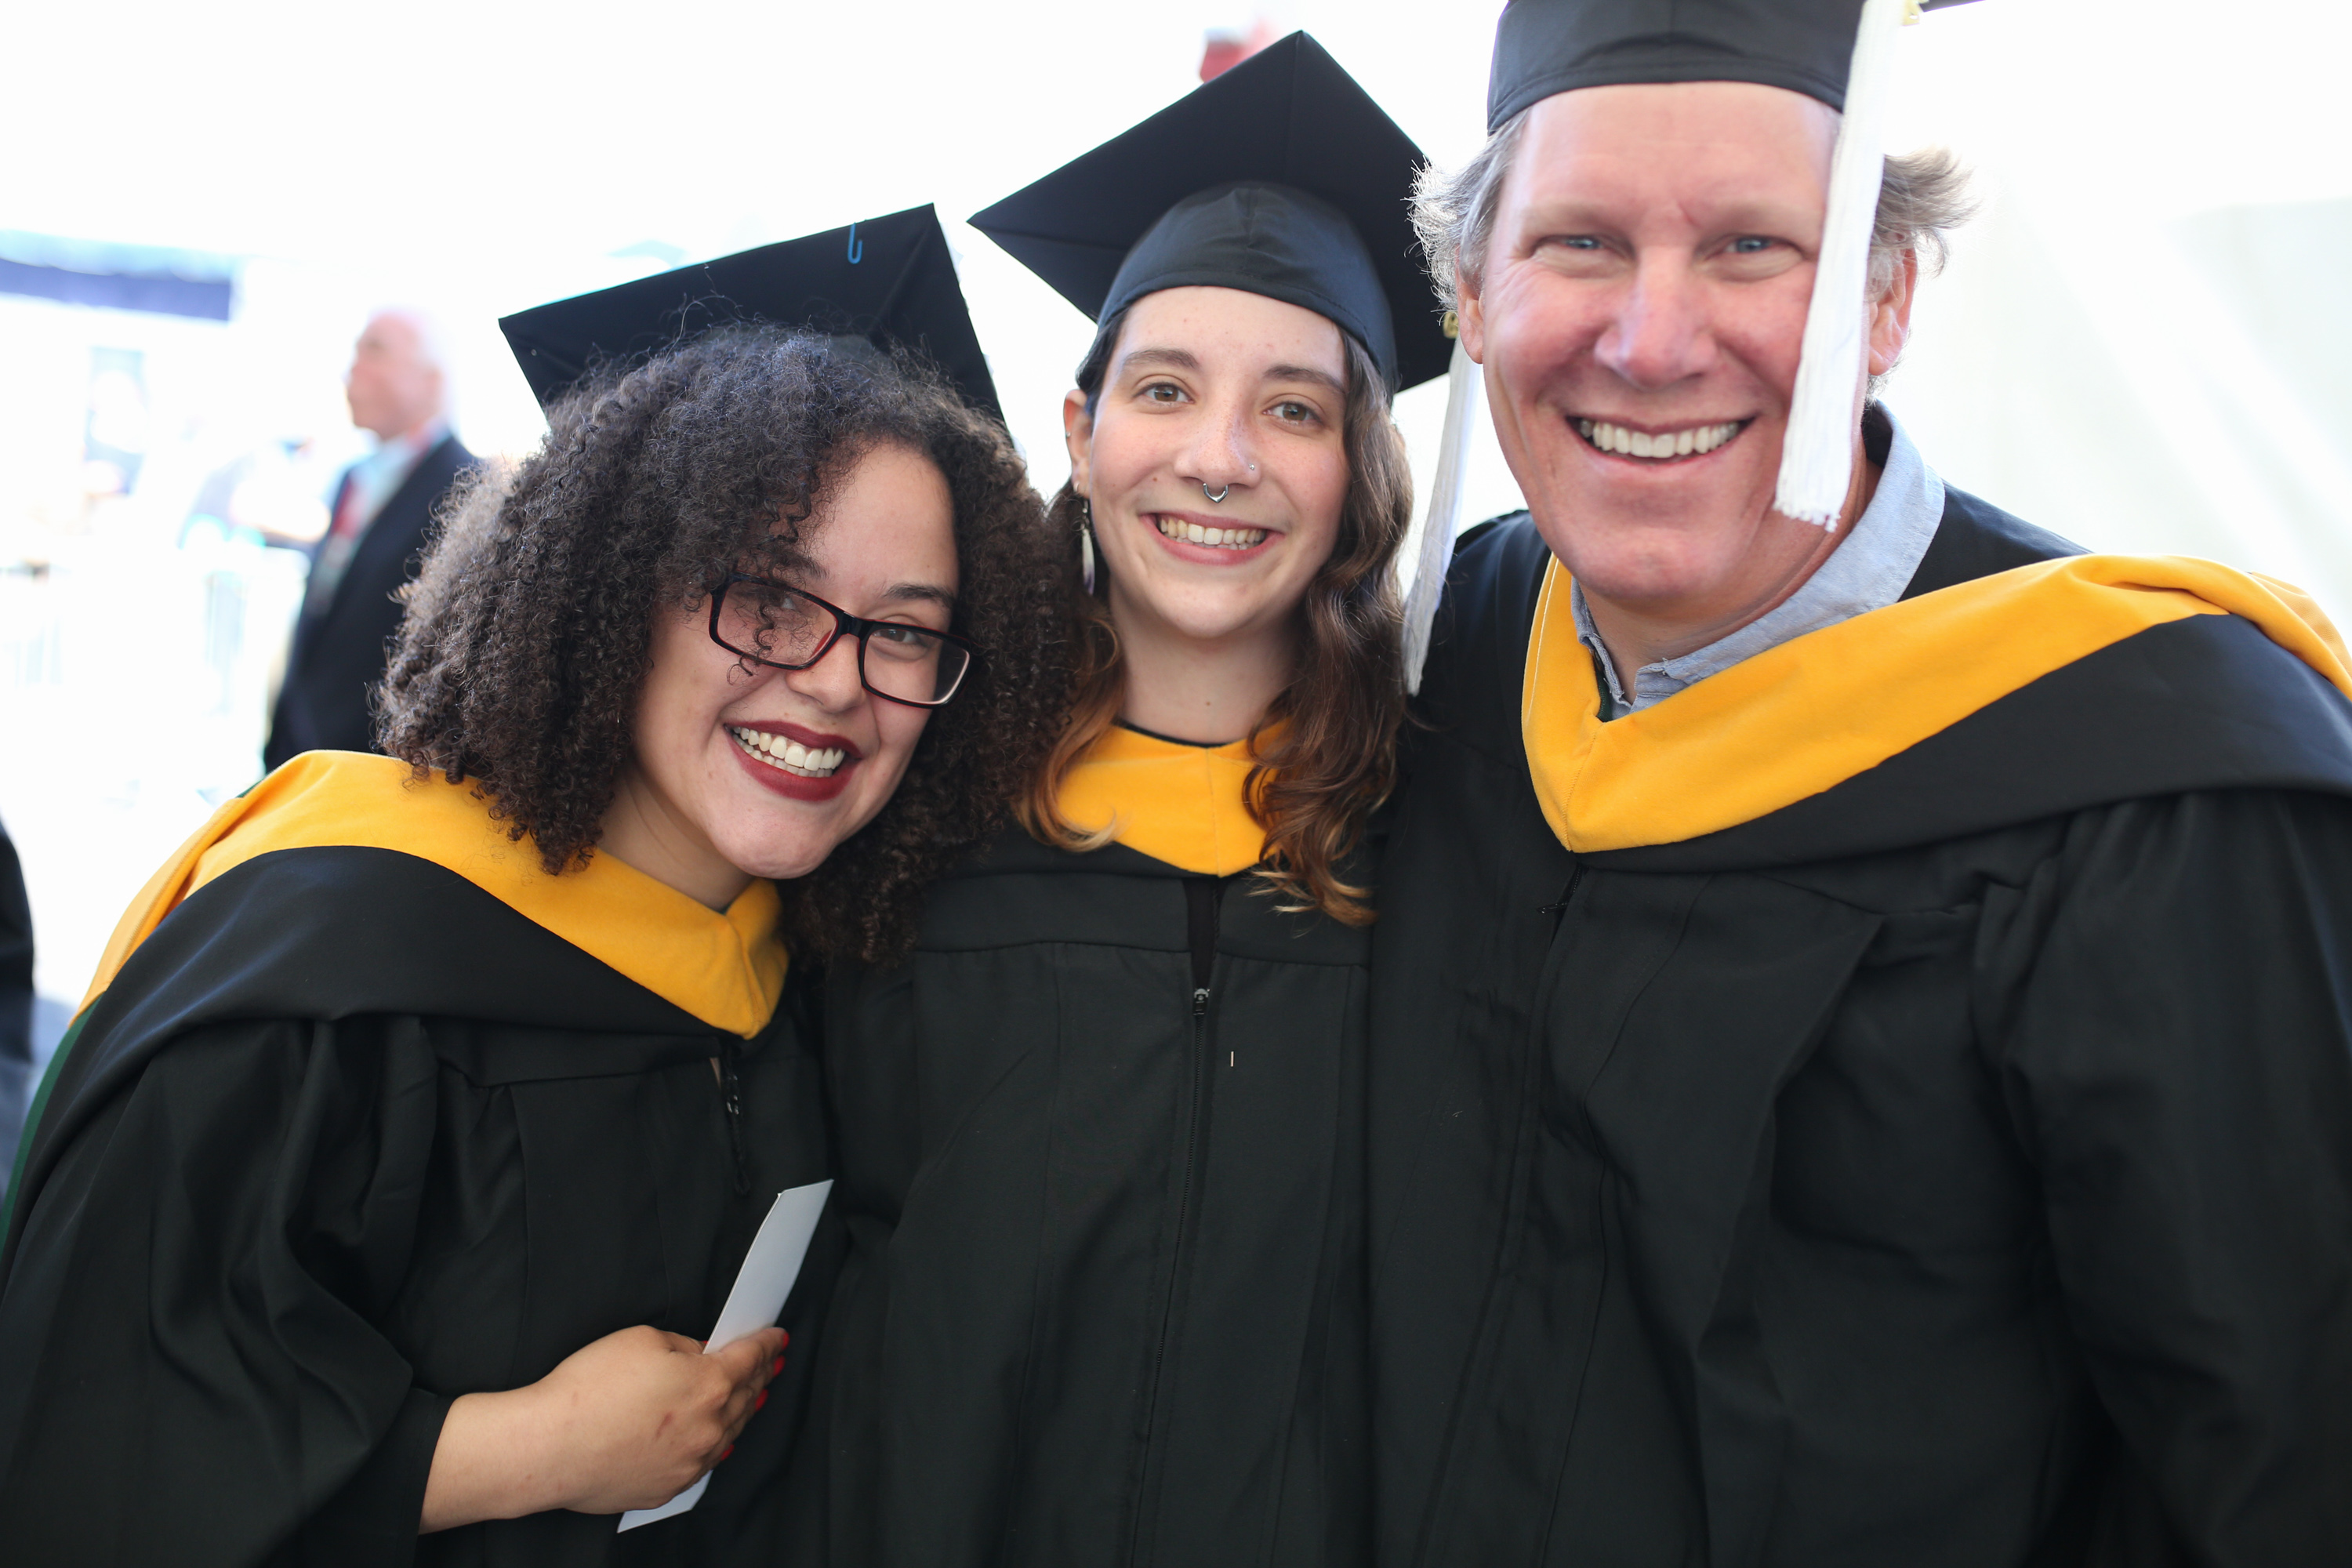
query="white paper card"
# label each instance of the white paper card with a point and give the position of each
(760, 1286)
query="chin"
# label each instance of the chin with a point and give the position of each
(1632, 558)
(781, 861)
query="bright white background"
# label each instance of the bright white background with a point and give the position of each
(2143, 342)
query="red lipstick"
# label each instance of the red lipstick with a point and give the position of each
(773, 775)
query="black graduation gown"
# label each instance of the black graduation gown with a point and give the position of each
(15, 1003)
(1954, 1166)
(345, 1138)
(1102, 1173)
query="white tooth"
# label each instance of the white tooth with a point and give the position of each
(1644, 445)
(1707, 441)
(1196, 534)
(1584, 429)
(1684, 441)
(796, 754)
(1604, 436)
(1624, 439)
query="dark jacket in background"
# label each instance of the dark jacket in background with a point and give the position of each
(1101, 1168)
(337, 657)
(15, 1005)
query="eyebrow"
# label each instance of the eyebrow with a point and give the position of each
(1306, 373)
(1173, 359)
(919, 593)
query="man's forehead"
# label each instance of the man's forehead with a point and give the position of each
(389, 330)
(1674, 142)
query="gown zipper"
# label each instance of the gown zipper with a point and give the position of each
(731, 1096)
(1201, 897)
(1559, 911)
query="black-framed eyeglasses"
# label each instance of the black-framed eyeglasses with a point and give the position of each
(789, 628)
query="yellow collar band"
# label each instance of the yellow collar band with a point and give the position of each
(1801, 718)
(726, 969)
(1177, 804)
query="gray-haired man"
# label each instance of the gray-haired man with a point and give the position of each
(1862, 1053)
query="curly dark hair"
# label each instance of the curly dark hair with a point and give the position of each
(529, 634)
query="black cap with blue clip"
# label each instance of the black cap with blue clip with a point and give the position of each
(886, 280)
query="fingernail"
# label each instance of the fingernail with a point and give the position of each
(777, 1370)
(731, 1448)
(761, 1400)
(788, 1338)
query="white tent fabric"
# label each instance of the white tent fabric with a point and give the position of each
(2145, 340)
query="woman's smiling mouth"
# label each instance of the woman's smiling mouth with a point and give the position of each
(1184, 533)
(790, 755)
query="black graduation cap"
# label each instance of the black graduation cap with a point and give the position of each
(1281, 177)
(1546, 46)
(885, 279)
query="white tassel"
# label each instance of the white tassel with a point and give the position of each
(1817, 454)
(1442, 517)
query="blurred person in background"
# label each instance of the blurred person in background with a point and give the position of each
(426, 1104)
(397, 389)
(15, 1006)
(1861, 1046)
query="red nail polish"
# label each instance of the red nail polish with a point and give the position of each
(731, 1448)
(788, 1338)
(777, 1370)
(761, 1400)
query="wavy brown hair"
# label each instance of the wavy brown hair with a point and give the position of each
(530, 633)
(1325, 754)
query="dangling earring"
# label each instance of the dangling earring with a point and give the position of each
(1087, 543)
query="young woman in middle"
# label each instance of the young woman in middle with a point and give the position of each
(1100, 1160)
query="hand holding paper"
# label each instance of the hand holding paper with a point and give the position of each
(758, 1296)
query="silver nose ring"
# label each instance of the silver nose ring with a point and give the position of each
(1215, 495)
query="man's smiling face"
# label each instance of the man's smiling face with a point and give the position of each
(1640, 318)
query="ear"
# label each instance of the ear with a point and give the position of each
(1078, 436)
(1890, 315)
(1470, 317)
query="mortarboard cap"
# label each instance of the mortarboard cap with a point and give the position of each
(888, 280)
(1544, 47)
(1281, 177)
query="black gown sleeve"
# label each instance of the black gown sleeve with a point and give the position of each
(2171, 998)
(191, 1372)
(15, 1006)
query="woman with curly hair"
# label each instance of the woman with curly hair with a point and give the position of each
(426, 1104)
(1100, 1134)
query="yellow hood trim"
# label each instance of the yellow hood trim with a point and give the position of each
(1812, 714)
(1177, 804)
(726, 969)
